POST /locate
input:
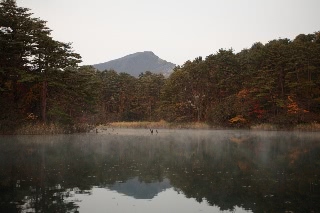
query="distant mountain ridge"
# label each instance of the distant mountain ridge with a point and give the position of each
(136, 63)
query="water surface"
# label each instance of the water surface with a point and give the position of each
(126, 170)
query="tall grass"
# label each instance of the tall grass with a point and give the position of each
(48, 129)
(308, 127)
(39, 129)
(311, 127)
(159, 125)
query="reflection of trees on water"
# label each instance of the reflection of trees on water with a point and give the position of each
(257, 172)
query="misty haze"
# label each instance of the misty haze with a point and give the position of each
(121, 170)
(159, 106)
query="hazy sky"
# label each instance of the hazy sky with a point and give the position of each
(175, 30)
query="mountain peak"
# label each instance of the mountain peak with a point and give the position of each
(138, 62)
(148, 52)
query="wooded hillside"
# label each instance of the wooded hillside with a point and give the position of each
(41, 82)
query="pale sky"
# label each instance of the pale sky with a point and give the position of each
(175, 30)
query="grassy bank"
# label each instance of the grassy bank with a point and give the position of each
(311, 127)
(308, 127)
(157, 125)
(198, 125)
(47, 129)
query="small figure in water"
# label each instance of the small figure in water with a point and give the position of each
(151, 130)
(96, 130)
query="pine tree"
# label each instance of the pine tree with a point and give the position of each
(29, 56)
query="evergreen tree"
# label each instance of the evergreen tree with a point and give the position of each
(29, 56)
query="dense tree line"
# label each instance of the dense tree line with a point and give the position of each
(41, 81)
(278, 82)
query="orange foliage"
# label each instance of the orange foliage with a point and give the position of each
(238, 119)
(293, 107)
(243, 93)
(31, 116)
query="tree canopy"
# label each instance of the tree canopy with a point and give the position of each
(41, 82)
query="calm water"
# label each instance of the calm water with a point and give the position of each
(125, 170)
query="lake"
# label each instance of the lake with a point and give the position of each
(132, 170)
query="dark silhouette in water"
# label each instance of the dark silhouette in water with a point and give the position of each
(151, 130)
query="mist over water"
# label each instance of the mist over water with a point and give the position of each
(133, 170)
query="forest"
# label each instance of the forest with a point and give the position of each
(41, 82)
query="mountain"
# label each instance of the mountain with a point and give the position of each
(141, 190)
(136, 63)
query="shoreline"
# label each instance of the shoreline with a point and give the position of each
(52, 129)
(311, 127)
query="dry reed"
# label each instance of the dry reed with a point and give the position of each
(159, 125)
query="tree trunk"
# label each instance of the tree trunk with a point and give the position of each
(44, 101)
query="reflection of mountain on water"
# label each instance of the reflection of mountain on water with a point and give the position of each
(257, 171)
(141, 190)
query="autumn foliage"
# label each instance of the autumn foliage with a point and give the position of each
(41, 82)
